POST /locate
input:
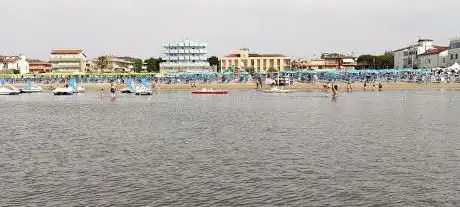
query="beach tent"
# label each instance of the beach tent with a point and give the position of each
(455, 66)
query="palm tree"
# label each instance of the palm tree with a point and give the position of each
(102, 62)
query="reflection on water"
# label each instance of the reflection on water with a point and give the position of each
(243, 149)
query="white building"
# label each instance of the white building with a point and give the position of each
(185, 56)
(436, 57)
(454, 51)
(407, 57)
(68, 61)
(9, 64)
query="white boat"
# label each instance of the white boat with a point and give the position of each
(63, 91)
(278, 90)
(76, 89)
(79, 89)
(9, 90)
(126, 90)
(142, 90)
(31, 88)
(129, 88)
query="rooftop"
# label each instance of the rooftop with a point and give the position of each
(8, 59)
(65, 52)
(435, 50)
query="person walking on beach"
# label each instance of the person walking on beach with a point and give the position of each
(349, 87)
(373, 86)
(380, 86)
(365, 85)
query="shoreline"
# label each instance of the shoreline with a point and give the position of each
(296, 86)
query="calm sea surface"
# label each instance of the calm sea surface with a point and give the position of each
(391, 148)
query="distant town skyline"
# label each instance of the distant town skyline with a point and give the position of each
(297, 28)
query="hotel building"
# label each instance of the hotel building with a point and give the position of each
(454, 51)
(68, 61)
(258, 62)
(38, 66)
(10, 64)
(185, 56)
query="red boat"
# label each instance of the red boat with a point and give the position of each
(207, 91)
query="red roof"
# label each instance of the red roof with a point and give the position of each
(233, 55)
(63, 52)
(8, 59)
(435, 50)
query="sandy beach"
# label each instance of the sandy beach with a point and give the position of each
(297, 86)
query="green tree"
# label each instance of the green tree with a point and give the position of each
(377, 62)
(102, 62)
(153, 64)
(385, 61)
(138, 63)
(214, 61)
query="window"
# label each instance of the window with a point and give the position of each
(451, 56)
(429, 61)
(456, 56)
(444, 60)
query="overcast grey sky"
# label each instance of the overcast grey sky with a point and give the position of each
(297, 28)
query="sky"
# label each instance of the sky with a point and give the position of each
(297, 28)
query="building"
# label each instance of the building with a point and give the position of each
(68, 61)
(433, 58)
(407, 57)
(14, 64)
(454, 52)
(257, 62)
(113, 63)
(328, 61)
(185, 56)
(38, 66)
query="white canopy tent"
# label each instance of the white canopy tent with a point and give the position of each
(455, 67)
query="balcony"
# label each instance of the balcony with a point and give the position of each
(66, 60)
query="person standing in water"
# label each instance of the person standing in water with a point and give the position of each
(112, 89)
(334, 89)
(349, 86)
